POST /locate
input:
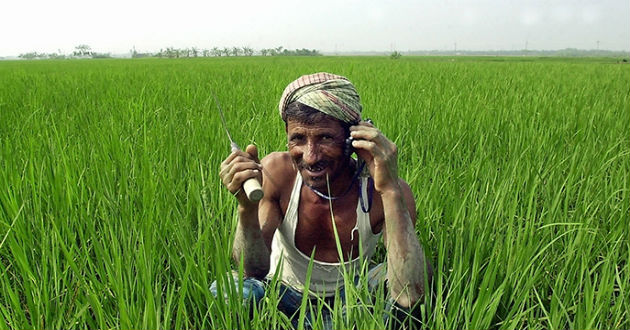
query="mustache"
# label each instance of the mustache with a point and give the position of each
(317, 166)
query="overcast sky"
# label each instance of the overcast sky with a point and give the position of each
(327, 25)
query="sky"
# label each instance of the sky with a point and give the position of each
(116, 26)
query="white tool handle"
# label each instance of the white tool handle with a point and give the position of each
(252, 187)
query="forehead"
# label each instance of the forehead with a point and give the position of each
(329, 126)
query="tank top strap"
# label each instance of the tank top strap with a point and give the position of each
(363, 224)
(290, 218)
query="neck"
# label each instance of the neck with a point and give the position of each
(340, 186)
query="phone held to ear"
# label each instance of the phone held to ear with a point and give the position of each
(348, 149)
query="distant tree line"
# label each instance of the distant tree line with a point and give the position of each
(172, 52)
(36, 55)
(280, 51)
(80, 51)
(85, 51)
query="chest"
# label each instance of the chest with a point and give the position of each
(315, 230)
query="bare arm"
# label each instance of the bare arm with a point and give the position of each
(250, 245)
(405, 257)
(257, 220)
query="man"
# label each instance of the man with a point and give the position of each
(316, 192)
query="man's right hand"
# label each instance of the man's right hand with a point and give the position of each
(236, 169)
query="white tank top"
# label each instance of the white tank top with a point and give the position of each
(292, 265)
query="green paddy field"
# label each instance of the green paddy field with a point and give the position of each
(112, 215)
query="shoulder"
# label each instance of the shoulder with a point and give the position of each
(278, 172)
(277, 183)
(277, 158)
(277, 164)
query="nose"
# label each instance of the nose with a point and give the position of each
(311, 153)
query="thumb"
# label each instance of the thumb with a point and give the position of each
(253, 151)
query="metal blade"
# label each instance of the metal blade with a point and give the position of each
(216, 100)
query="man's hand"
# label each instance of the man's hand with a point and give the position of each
(236, 169)
(380, 155)
(249, 244)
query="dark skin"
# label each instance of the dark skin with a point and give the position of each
(316, 151)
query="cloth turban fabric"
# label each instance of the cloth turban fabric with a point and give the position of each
(331, 94)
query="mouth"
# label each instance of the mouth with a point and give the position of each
(315, 171)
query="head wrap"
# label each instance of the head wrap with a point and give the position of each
(331, 94)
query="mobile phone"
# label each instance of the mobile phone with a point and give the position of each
(348, 149)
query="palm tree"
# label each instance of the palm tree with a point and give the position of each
(82, 50)
(248, 51)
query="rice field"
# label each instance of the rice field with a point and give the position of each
(112, 214)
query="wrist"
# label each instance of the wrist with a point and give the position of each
(393, 192)
(248, 211)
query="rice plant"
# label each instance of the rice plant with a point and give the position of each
(112, 214)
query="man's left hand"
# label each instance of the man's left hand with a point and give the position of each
(380, 155)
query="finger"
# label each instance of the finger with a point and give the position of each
(239, 164)
(229, 159)
(243, 176)
(235, 182)
(236, 164)
(365, 133)
(252, 150)
(240, 167)
(375, 148)
(233, 155)
(237, 159)
(228, 164)
(245, 154)
(364, 145)
(244, 158)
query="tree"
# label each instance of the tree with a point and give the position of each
(56, 56)
(248, 51)
(169, 52)
(395, 55)
(29, 56)
(82, 50)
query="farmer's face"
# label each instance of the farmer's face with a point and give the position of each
(317, 150)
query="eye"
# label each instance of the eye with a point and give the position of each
(327, 137)
(296, 138)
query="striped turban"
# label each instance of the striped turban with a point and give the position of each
(331, 94)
